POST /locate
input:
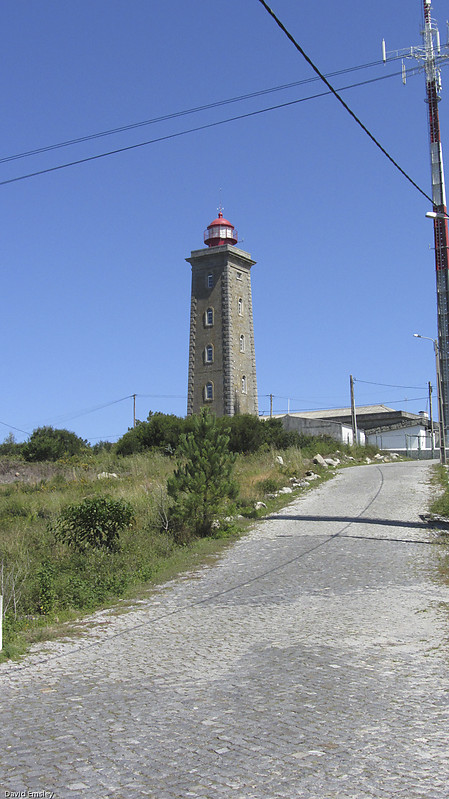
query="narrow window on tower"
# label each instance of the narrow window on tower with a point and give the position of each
(240, 305)
(210, 281)
(209, 354)
(209, 391)
(239, 275)
(243, 384)
(209, 317)
(242, 343)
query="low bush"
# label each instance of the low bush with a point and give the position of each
(50, 444)
(95, 522)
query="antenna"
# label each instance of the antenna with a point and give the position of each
(431, 55)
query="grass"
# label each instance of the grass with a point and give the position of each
(51, 585)
(440, 507)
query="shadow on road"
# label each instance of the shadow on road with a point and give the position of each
(351, 520)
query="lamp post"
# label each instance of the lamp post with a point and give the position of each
(441, 421)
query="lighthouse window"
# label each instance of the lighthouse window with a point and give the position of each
(243, 384)
(242, 343)
(209, 317)
(239, 275)
(209, 354)
(210, 281)
(240, 305)
(209, 391)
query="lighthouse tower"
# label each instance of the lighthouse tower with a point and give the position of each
(222, 363)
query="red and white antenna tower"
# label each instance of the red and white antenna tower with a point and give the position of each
(431, 55)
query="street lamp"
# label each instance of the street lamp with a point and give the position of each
(440, 396)
(435, 215)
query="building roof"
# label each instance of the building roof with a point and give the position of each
(369, 417)
(336, 413)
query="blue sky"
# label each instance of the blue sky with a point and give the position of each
(96, 290)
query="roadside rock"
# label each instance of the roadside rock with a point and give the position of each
(319, 460)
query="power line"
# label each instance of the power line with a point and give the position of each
(66, 417)
(188, 111)
(11, 427)
(163, 396)
(387, 385)
(340, 99)
(193, 130)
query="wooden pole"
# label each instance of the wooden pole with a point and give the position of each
(432, 437)
(353, 413)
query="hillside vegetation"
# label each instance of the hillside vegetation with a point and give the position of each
(79, 531)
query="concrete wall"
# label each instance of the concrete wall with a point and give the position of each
(414, 440)
(322, 427)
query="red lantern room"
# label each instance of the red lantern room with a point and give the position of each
(220, 231)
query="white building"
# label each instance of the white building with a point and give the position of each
(386, 428)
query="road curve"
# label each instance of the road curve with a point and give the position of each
(310, 662)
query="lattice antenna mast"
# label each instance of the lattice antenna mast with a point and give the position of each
(431, 55)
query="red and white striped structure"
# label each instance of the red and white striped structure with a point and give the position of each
(431, 54)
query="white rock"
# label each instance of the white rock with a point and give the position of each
(107, 475)
(368, 460)
(285, 490)
(319, 460)
(332, 462)
(278, 459)
(259, 505)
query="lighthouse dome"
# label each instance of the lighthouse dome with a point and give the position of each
(220, 231)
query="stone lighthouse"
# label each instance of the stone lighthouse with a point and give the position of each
(222, 363)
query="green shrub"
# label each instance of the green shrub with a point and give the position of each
(10, 446)
(46, 587)
(94, 522)
(161, 431)
(50, 444)
(247, 433)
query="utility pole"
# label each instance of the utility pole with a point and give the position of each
(431, 55)
(353, 413)
(134, 409)
(271, 405)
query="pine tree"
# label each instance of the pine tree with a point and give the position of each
(202, 485)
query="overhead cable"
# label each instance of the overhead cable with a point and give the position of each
(189, 130)
(387, 385)
(340, 99)
(188, 111)
(11, 427)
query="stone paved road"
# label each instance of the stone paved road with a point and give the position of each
(310, 662)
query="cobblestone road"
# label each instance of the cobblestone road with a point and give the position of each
(310, 662)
